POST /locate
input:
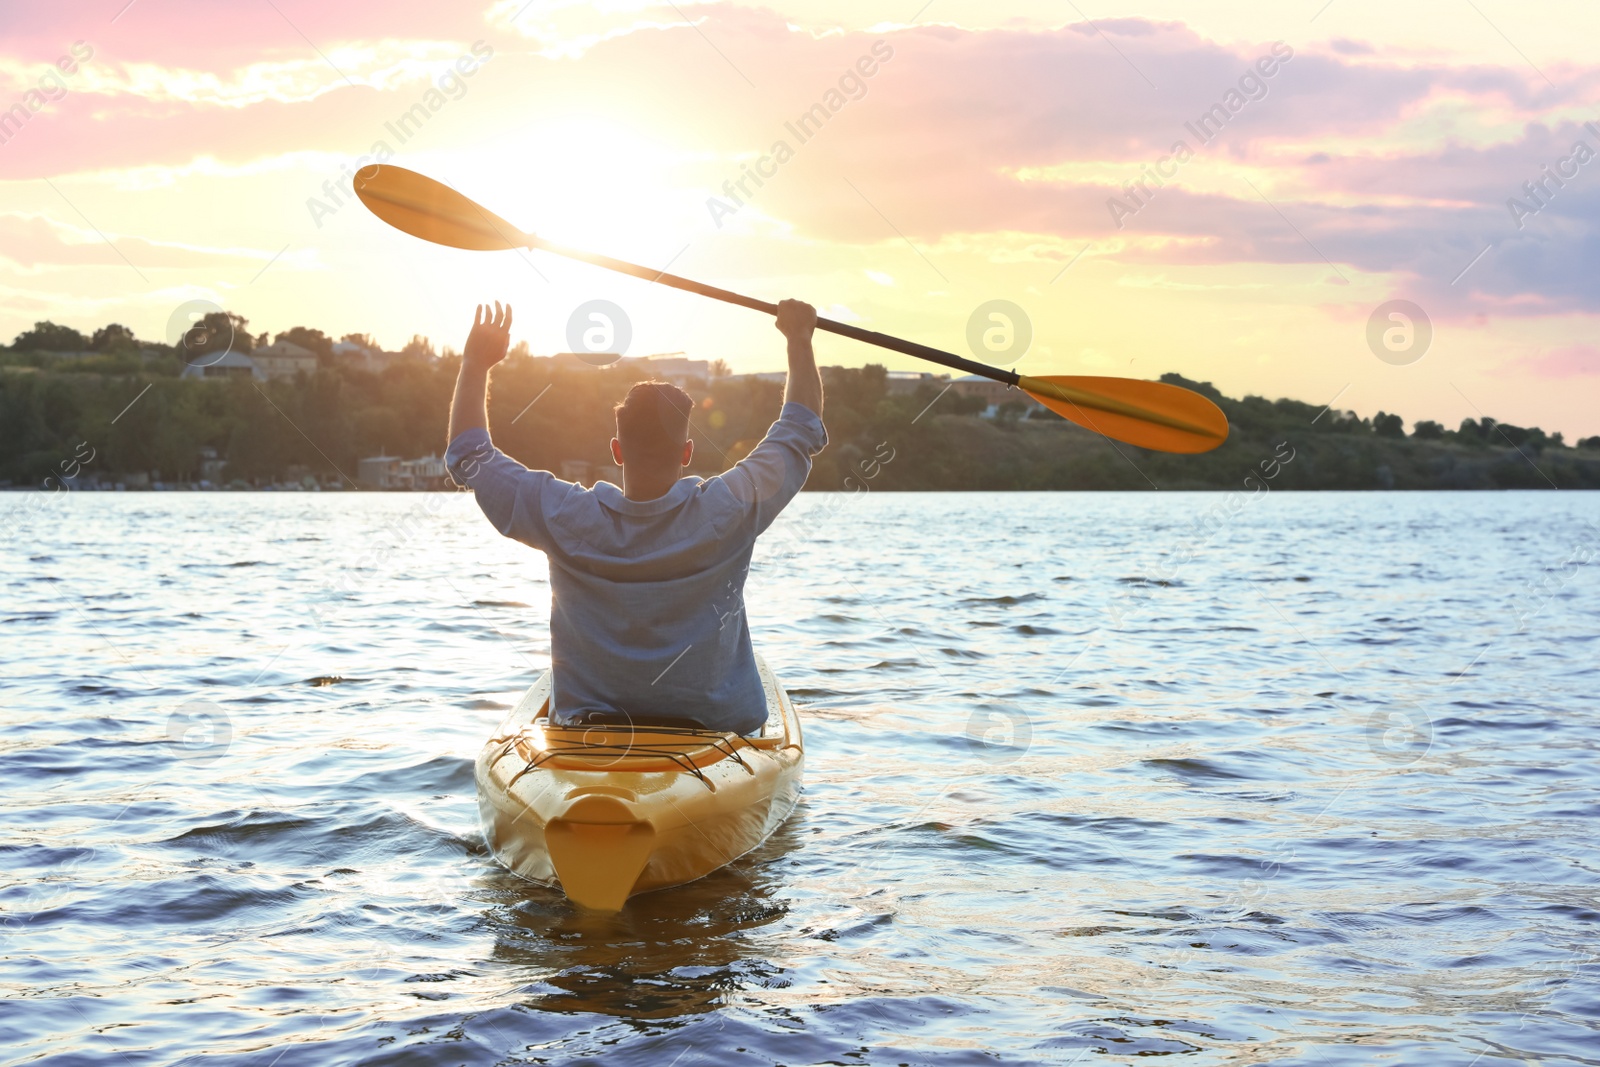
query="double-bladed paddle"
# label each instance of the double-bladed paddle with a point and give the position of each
(1154, 415)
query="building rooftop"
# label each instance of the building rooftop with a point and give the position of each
(286, 348)
(224, 362)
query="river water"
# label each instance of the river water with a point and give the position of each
(1302, 779)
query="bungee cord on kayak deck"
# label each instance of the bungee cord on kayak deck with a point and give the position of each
(591, 751)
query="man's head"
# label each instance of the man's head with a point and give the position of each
(653, 428)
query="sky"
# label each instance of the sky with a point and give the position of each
(1444, 154)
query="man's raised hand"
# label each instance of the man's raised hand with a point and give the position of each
(490, 336)
(796, 319)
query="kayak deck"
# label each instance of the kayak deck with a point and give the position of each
(605, 812)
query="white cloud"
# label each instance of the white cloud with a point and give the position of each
(385, 66)
(566, 29)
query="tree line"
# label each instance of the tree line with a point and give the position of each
(125, 404)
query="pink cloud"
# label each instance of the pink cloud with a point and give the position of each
(31, 241)
(205, 35)
(1573, 361)
(935, 143)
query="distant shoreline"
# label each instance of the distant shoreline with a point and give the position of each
(340, 426)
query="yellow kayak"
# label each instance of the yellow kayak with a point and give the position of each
(605, 812)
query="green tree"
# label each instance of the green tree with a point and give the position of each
(1428, 430)
(1348, 422)
(956, 403)
(315, 340)
(419, 347)
(49, 337)
(1205, 389)
(217, 331)
(1515, 435)
(114, 338)
(1386, 425)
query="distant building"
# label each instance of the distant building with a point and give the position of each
(425, 473)
(350, 354)
(211, 467)
(378, 472)
(906, 382)
(392, 472)
(669, 367)
(580, 360)
(228, 364)
(285, 359)
(779, 376)
(996, 394)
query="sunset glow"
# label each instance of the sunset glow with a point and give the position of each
(155, 153)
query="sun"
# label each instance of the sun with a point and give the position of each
(587, 181)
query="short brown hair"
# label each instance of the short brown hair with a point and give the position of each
(653, 420)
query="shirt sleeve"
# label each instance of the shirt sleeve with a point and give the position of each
(769, 477)
(515, 499)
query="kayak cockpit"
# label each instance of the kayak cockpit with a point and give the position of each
(607, 811)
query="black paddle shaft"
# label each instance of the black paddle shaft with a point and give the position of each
(855, 333)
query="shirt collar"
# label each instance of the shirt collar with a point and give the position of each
(613, 498)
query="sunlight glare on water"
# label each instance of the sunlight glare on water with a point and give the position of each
(1083, 786)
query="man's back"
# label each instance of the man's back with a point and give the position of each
(647, 596)
(646, 582)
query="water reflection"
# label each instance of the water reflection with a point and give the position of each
(675, 952)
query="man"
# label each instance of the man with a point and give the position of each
(647, 617)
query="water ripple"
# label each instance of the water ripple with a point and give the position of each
(1307, 792)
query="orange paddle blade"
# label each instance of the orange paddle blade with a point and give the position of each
(433, 211)
(1154, 415)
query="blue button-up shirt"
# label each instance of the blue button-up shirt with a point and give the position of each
(647, 596)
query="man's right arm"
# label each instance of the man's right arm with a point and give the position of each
(486, 346)
(797, 320)
(511, 496)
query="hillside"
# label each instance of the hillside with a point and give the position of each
(112, 415)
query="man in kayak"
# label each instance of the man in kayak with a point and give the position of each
(647, 621)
